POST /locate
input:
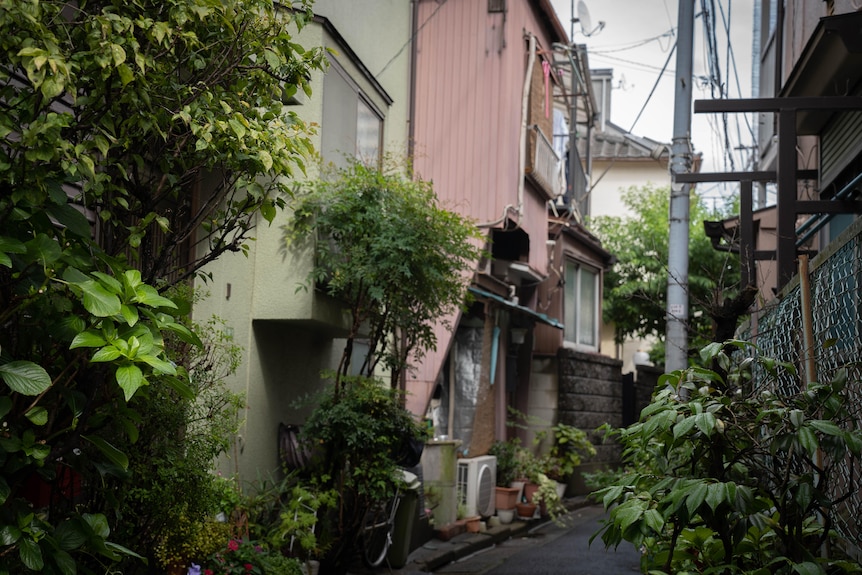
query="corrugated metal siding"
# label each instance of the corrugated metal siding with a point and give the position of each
(470, 75)
(839, 144)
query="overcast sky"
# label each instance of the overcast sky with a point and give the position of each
(635, 42)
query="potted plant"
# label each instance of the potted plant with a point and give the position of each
(547, 497)
(530, 468)
(506, 453)
(296, 530)
(568, 444)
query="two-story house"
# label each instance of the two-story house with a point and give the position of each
(290, 335)
(488, 78)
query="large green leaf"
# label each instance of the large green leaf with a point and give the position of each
(715, 495)
(158, 365)
(696, 497)
(70, 218)
(38, 415)
(44, 249)
(180, 386)
(25, 377)
(184, 333)
(683, 427)
(99, 301)
(107, 353)
(70, 535)
(9, 535)
(112, 453)
(88, 339)
(130, 379)
(629, 512)
(826, 427)
(98, 523)
(30, 554)
(148, 295)
(64, 562)
(808, 568)
(5, 405)
(5, 490)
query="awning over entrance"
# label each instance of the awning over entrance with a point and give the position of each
(517, 308)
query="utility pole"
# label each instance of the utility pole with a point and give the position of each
(676, 340)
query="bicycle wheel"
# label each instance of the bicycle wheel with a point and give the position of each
(376, 536)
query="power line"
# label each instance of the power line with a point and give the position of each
(639, 65)
(654, 86)
(631, 46)
(409, 40)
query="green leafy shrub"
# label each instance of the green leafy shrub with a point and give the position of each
(111, 118)
(189, 539)
(508, 468)
(729, 478)
(357, 431)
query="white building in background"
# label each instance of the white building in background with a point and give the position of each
(620, 160)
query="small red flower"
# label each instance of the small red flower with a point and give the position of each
(232, 545)
(208, 572)
(249, 567)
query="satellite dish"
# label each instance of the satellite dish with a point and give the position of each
(586, 21)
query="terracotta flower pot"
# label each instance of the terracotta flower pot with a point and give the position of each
(526, 510)
(530, 490)
(507, 497)
(472, 524)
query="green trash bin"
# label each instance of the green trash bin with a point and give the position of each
(405, 519)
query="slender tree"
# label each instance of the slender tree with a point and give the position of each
(391, 253)
(635, 288)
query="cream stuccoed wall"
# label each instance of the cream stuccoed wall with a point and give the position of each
(288, 333)
(606, 200)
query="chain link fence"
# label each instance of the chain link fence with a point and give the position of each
(836, 302)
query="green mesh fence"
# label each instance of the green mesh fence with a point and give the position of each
(835, 279)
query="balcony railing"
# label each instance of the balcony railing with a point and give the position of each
(543, 167)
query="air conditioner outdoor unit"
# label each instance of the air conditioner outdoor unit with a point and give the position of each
(477, 477)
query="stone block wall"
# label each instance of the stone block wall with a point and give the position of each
(590, 395)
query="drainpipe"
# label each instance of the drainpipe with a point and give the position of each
(525, 104)
(411, 129)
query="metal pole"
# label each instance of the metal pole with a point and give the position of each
(676, 342)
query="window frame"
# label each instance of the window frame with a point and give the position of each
(572, 296)
(364, 101)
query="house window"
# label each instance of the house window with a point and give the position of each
(368, 131)
(352, 126)
(581, 301)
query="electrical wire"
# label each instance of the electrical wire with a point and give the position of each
(654, 86)
(611, 48)
(638, 65)
(409, 40)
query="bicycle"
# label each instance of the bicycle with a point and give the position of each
(377, 530)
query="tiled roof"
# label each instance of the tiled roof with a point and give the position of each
(615, 142)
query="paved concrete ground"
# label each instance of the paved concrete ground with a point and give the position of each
(528, 547)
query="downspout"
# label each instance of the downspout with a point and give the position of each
(401, 384)
(411, 118)
(525, 105)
